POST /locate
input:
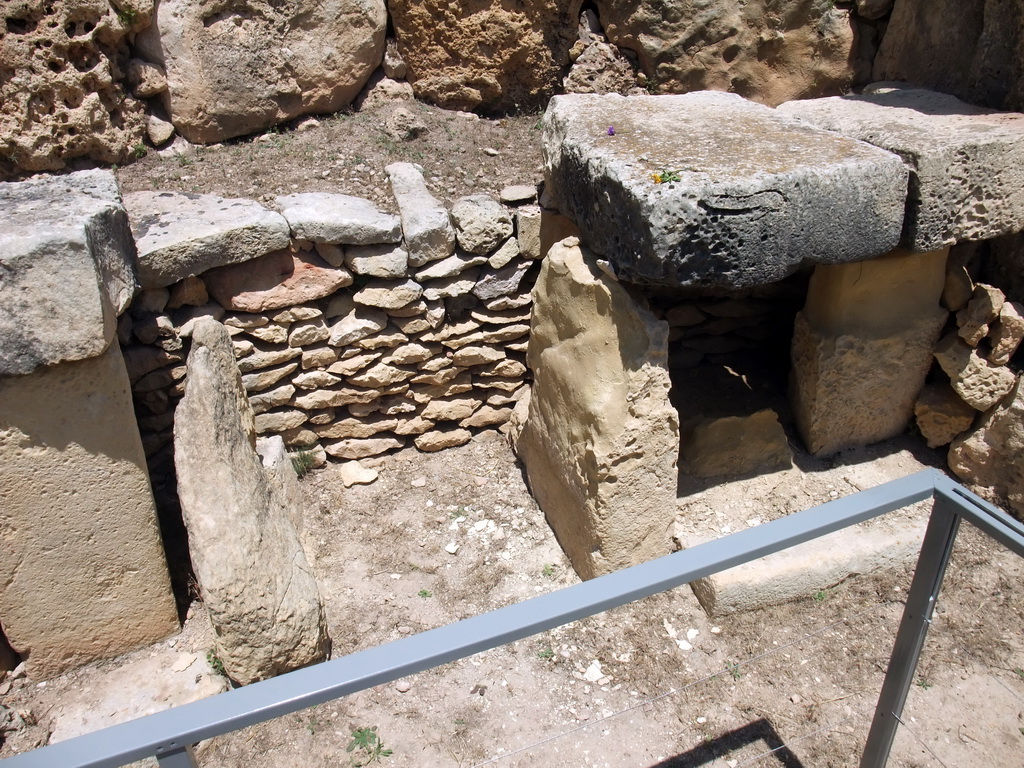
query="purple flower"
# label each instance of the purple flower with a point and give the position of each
(611, 130)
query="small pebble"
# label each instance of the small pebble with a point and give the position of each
(451, 548)
(402, 686)
(491, 152)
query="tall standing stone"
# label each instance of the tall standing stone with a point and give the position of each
(601, 439)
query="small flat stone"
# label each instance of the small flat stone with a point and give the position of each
(325, 217)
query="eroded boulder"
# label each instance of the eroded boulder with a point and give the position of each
(255, 580)
(600, 442)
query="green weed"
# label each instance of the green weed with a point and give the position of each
(367, 746)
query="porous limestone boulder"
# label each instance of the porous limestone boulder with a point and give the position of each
(746, 195)
(179, 234)
(732, 446)
(234, 69)
(941, 415)
(67, 260)
(63, 88)
(991, 457)
(862, 346)
(760, 49)
(253, 574)
(82, 569)
(966, 163)
(481, 223)
(486, 55)
(980, 383)
(600, 442)
(971, 50)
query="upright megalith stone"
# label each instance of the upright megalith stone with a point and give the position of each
(66, 261)
(708, 189)
(966, 163)
(601, 439)
(428, 230)
(255, 580)
(862, 346)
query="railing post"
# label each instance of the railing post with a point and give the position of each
(178, 758)
(917, 617)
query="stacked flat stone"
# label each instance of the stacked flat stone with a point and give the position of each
(354, 329)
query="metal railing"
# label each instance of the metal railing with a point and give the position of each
(169, 735)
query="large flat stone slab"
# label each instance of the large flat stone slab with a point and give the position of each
(966, 162)
(326, 217)
(746, 196)
(180, 235)
(66, 269)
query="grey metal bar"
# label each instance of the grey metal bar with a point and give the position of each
(984, 516)
(917, 617)
(162, 732)
(179, 758)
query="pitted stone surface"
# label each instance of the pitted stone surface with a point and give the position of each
(181, 234)
(748, 194)
(966, 162)
(429, 234)
(324, 217)
(66, 269)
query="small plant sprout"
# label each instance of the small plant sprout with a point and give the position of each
(922, 683)
(548, 571)
(425, 593)
(302, 462)
(545, 653)
(215, 663)
(733, 669)
(664, 176)
(820, 596)
(366, 747)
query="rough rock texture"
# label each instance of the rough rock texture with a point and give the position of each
(978, 382)
(323, 217)
(941, 415)
(256, 584)
(66, 269)
(485, 54)
(181, 235)
(62, 82)
(991, 457)
(972, 50)
(429, 234)
(237, 68)
(862, 347)
(481, 223)
(764, 50)
(747, 194)
(732, 446)
(966, 163)
(71, 463)
(601, 439)
(274, 281)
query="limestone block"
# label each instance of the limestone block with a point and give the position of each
(179, 235)
(279, 421)
(601, 440)
(991, 457)
(455, 264)
(367, 426)
(324, 217)
(487, 416)
(426, 226)
(412, 353)
(980, 383)
(384, 260)
(505, 253)
(440, 439)
(862, 347)
(528, 231)
(388, 294)
(273, 398)
(355, 448)
(350, 365)
(747, 195)
(66, 257)
(500, 282)
(384, 340)
(481, 223)
(82, 569)
(473, 355)
(267, 377)
(265, 358)
(308, 332)
(1008, 333)
(451, 287)
(356, 325)
(334, 398)
(275, 280)
(965, 162)
(239, 69)
(381, 375)
(983, 309)
(941, 415)
(256, 584)
(732, 446)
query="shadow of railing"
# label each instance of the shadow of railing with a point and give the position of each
(733, 741)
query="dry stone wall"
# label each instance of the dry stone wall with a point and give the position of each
(366, 333)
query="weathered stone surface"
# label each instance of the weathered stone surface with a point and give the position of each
(528, 229)
(366, 426)
(481, 223)
(62, 91)
(991, 457)
(732, 446)
(517, 194)
(381, 91)
(601, 439)
(271, 333)
(189, 292)
(449, 267)
(487, 416)
(440, 439)
(275, 280)
(500, 282)
(355, 448)
(315, 380)
(487, 55)
(279, 421)
(384, 260)
(354, 473)
(256, 584)
(412, 353)
(350, 365)
(334, 398)
(274, 398)
(239, 69)
(265, 358)
(414, 426)
(965, 161)
(472, 355)
(1008, 333)
(427, 228)
(82, 570)
(941, 415)
(307, 332)
(386, 339)
(450, 409)
(745, 195)
(600, 68)
(862, 347)
(325, 217)
(66, 259)
(356, 325)
(267, 377)
(762, 50)
(179, 235)
(973, 320)
(388, 294)
(980, 383)
(971, 50)
(381, 375)
(506, 252)
(451, 287)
